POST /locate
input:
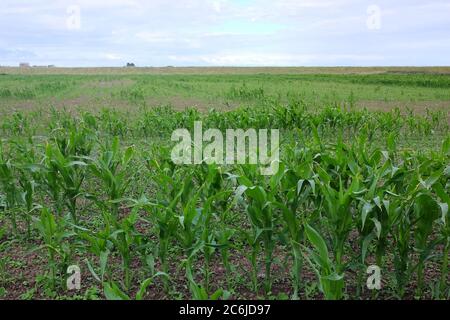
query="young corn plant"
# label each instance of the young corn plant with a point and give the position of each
(113, 292)
(200, 293)
(116, 236)
(443, 194)
(27, 175)
(338, 210)
(209, 243)
(111, 168)
(196, 235)
(402, 264)
(55, 235)
(125, 238)
(162, 213)
(251, 239)
(65, 173)
(331, 279)
(224, 238)
(99, 244)
(260, 214)
(215, 198)
(9, 188)
(426, 213)
(296, 194)
(28, 187)
(190, 229)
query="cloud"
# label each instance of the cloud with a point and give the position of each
(228, 32)
(113, 56)
(154, 37)
(275, 59)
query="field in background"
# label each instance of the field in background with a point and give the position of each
(410, 89)
(227, 70)
(86, 178)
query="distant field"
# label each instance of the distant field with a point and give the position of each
(412, 89)
(226, 70)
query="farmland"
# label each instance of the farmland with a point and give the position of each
(87, 180)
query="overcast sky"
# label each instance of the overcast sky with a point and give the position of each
(225, 32)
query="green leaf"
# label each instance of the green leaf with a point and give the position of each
(444, 210)
(334, 277)
(216, 295)
(433, 179)
(377, 226)
(103, 261)
(76, 163)
(239, 192)
(299, 186)
(313, 185)
(367, 208)
(257, 193)
(112, 292)
(365, 246)
(146, 283)
(127, 156)
(319, 244)
(91, 269)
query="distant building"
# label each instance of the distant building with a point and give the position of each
(24, 65)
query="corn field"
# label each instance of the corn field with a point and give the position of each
(98, 190)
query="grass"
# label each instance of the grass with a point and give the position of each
(86, 179)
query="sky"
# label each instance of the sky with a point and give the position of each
(88, 33)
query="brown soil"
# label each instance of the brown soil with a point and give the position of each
(419, 107)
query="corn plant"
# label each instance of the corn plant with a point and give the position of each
(331, 278)
(9, 187)
(113, 292)
(18, 184)
(111, 169)
(190, 226)
(162, 212)
(65, 173)
(402, 237)
(426, 211)
(353, 188)
(55, 236)
(445, 231)
(124, 237)
(224, 238)
(201, 293)
(215, 197)
(296, 193)
(99, 244)
(260, 214)
(28, 187)
(338, 212)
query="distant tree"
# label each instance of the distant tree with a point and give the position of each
(130, 64)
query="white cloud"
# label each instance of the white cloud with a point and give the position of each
(275, 59)
(225, 32)
(113, 56)
(154, 37)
